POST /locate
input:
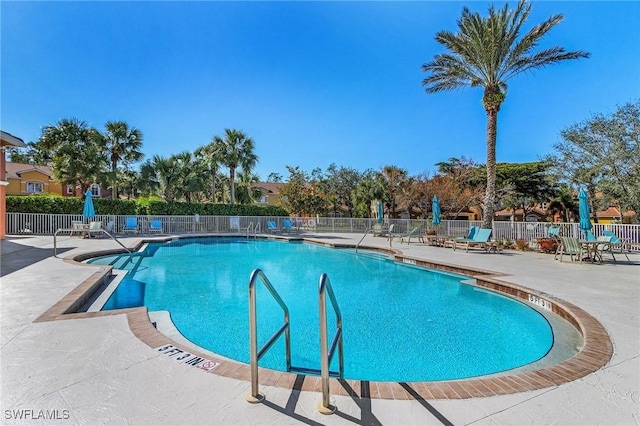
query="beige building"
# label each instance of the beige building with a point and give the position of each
(6, 140)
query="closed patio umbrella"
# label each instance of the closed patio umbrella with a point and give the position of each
(435, 208)
(380, 212)
(88, 211)
(585, 216)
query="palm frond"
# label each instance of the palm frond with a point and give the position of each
(488, 51)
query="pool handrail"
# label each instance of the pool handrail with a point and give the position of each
(361, 239)
(326, 355)
(104, 231)
(256, 353)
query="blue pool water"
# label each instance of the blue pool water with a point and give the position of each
(401, 323)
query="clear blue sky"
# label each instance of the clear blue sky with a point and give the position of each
(313, 83)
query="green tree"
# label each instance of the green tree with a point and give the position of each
(274, 177)
(565, 203)
(300, 195)
(28, 155)
(603, 154)
(246, 193)
(522, 185)
(74, 151)
(339, 183)
(487, 52)
(211, 155)
(148, 182)
(165, 174)
(188, 177)
(458, 184)
(123, 144)
(235, 150)
(394, 178)
(369, 188)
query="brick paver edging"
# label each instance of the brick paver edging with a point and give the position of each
(595, 353)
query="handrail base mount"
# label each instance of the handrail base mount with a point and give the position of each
(255, 399)
(326, 410)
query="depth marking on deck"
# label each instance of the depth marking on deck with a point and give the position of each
(184, 357)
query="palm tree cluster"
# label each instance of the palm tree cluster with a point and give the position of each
(81, 155)
(197, 177)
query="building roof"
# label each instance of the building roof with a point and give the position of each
(614, 212)
(508, 212)
(269, 187)
(9, 139)
(14, 170)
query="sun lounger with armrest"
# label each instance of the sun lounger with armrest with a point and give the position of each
(480, 239)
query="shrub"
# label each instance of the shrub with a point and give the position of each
(142, 206)
(508, 244)
(548, 245)
(522, 245)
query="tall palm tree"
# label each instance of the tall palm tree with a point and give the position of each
(487, 52)
(394, 178)
(235, 150)
(189, 176)
(123, 144)
(74, 151)
(211, 156)
(246, 193)
(166, 176)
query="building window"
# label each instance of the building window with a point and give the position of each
(543, 206)
(70, 189)
(263, 199)
(35, 187)
(95, 190)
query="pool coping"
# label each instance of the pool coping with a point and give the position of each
(595, 353)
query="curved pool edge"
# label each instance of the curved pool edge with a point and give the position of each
(596, 351)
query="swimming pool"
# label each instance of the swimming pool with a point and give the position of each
(401, 323)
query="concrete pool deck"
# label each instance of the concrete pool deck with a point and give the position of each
(97, 371)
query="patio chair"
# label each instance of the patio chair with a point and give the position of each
(605, 247)
(413, 233)
(450, 241)
(130, 225)
(570, 246)
(390, 233)
(553, 232)
(480, 239)
(288, 226)
(272, 227)
(94, 230)
(155, 226)
(77, 227)
(618, 245)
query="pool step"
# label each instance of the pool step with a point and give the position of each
(314, 371)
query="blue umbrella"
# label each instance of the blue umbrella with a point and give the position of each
(585, 216)
(380, 212)
(435, 208)
(88, 210)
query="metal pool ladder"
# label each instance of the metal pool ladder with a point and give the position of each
(326, 354)
(253, 230)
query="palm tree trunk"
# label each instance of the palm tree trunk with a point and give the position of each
(232, 173)
(213, 185)
(490, 193)
(114, 184)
